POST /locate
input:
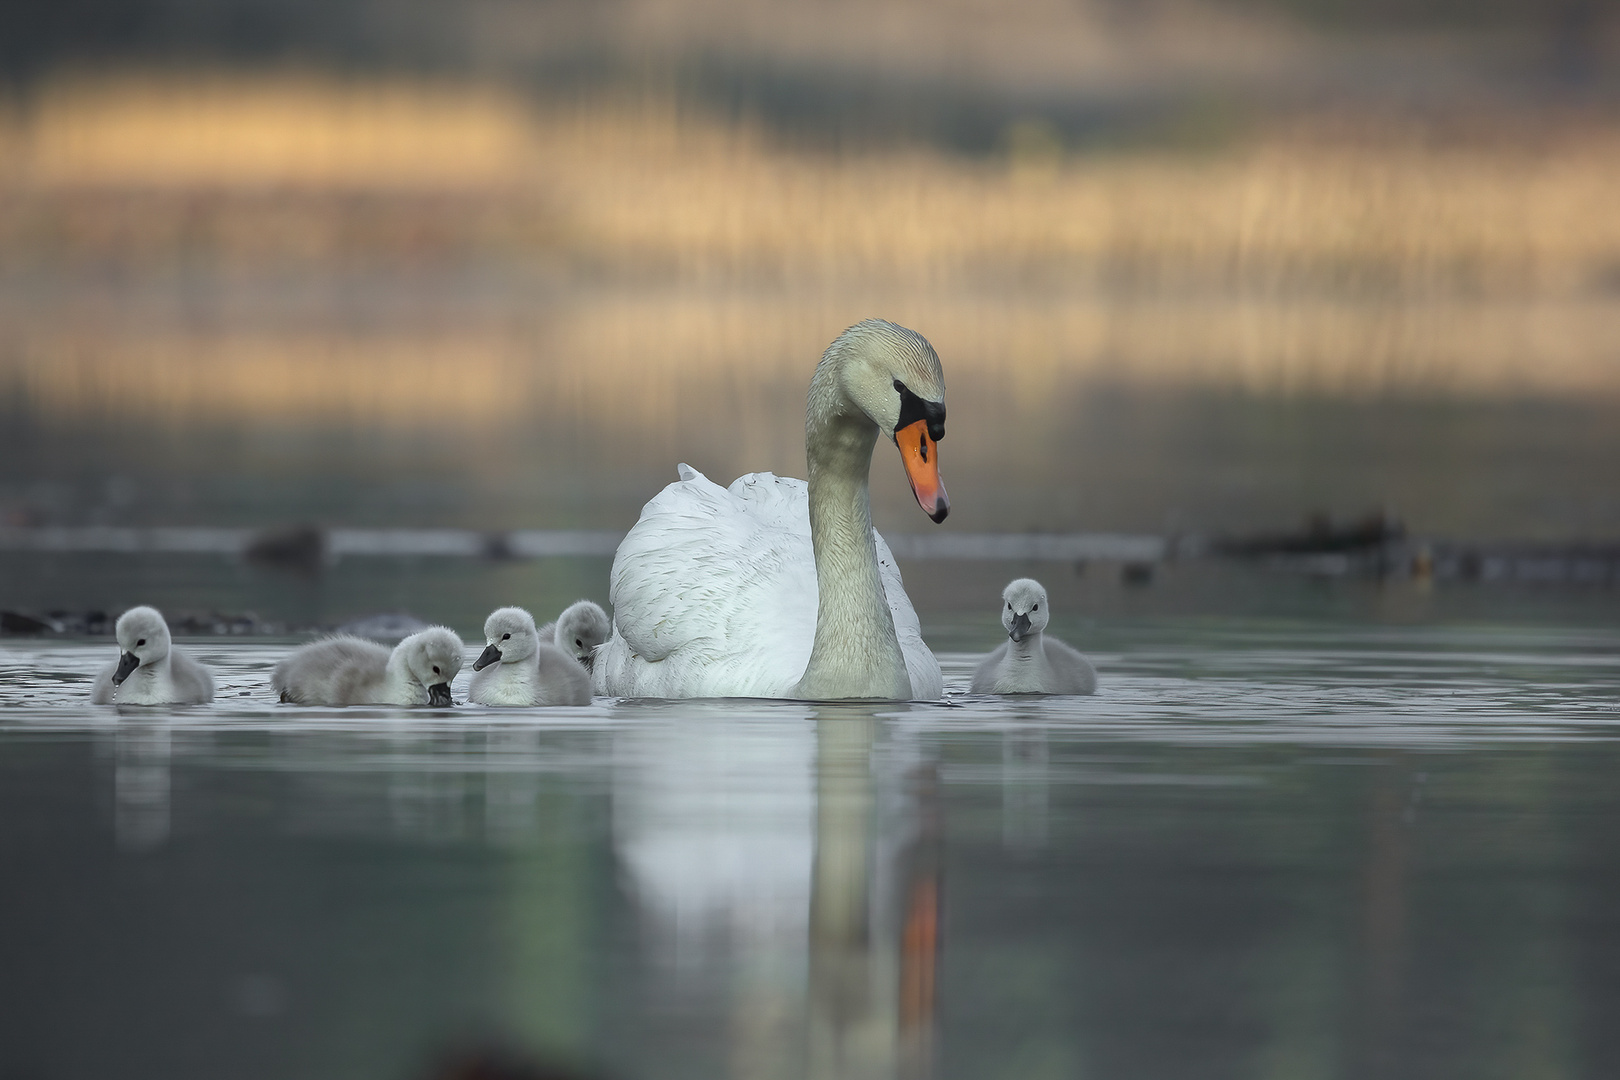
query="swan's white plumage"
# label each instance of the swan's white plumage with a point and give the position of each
(528, 669)
(714, 595)
(346, 670)
(165, 675)
(1029, 662)
(581, 627)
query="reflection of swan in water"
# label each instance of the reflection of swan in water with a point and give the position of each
(777, 588)
(775, 851)
(713, 821)
(141, 785)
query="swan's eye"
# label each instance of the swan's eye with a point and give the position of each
(141, 642)
(505, 636)
(900, 386)
(435, 669)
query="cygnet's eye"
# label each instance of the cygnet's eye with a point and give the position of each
(435, 669)
(141, 642)
(578, 644)
(1037, 607)
(505, 636)
(1009, 605)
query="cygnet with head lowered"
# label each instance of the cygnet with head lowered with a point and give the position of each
(346, 670)
(581, 627)
(150, 670)
(1029, 662)
(519, 667)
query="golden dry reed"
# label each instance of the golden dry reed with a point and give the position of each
(693, 258)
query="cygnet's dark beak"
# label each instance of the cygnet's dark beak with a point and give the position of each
(126, 664)
(490, 655)
(1020, 627)
(439, 695)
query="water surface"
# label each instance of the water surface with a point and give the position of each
(1265, 848)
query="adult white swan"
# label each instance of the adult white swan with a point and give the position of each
(776, 588)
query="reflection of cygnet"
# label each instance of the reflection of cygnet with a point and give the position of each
(579, 630)
(519, 668)
(1030, 662)
(150, 671)
(348, 670)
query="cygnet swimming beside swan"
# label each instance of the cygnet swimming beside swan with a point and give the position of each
(150, 670)
(518, 667)
(779, 588)
(1029, 662)
(347, 670)
(581, 627)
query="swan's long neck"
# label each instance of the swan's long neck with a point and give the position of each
(856, 652)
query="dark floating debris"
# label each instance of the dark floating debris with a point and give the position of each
(23, 624)
(1319, 536)
(1375, 545)
(386, 629)
(101, 624)
(300, 549)
(1136, 573)
(222, 624)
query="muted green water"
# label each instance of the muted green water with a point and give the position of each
(1305, 848)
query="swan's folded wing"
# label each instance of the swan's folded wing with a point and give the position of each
(720, 581)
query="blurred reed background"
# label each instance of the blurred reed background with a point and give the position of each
(1189, 265)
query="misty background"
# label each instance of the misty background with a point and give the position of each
(1207, 267)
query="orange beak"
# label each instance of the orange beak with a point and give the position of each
(920, 455)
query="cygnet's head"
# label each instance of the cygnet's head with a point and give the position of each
(894, 376)
(581, 628)
(433, 658)
(1024, 610)
(143, 638)
(511, 636)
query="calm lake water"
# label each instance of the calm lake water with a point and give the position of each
(1266, 848)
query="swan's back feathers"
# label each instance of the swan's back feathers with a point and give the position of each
(563, 680)
(712, 583)
(714, 595)
(342, 670)
(1072, 672)
(193, 683)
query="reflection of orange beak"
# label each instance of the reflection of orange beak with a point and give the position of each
(920, 455)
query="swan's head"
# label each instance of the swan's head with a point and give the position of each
(511, 636)
(433, 658)
(143, 637)
(1024, 610)
(581, 628)
(893, 375)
